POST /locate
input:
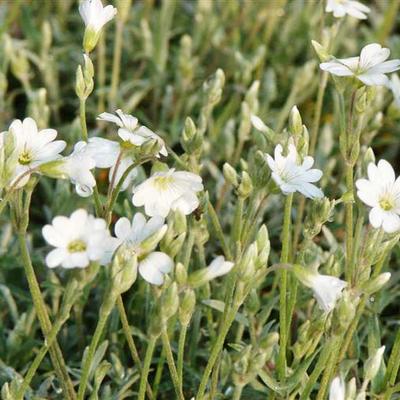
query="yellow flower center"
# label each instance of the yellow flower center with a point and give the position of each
(386, 203)
(25, 157)
(127, 145)
(76, 246)
(162, 182)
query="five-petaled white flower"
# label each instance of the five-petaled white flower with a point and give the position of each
(337, 389)
(78, 240)
(170, 190)
(94, 15)
(293, 176)
(32, 148)
(131, 132)
(326, 289)
(342, 7)
(218, 267)
(381, 191)
(370, 67)
(142, 237)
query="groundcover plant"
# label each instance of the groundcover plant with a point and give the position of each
(199, 199)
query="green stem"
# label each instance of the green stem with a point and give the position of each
(171, 364)
(237, 223)
(146, 367)
(237, 394)
(283, 317)
(104, 313)
(181, 353)
(44, 319)
(82, 118)
(218, 230)
(318, 369)
(393, 367)
(129, 338)
(349, 224)
(217, 347)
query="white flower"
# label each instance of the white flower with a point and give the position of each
(394, 86)
(78, 240)
(165, 191)
(337, 389)
(32, 148)
(218, 267)
(291, 175)
(370, 67)
(106, 153)
(342, 7)
(142, 237)
(326, 289)
(94, 15)
(381, 191)
(131, 132)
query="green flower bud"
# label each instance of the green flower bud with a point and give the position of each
(123, 270)
(246, 269)
(321, 51)
(169, 302)
(186, 307)
(371, 366)
(345, 311)
(180, 274)
(376, 284)
(246, 186)
(252, 303)
(192, 140)
(351, 389)
(230, 174)
(295, 122)
(152, 241)
(369, 157)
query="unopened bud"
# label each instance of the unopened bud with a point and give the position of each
(252, 303)
(123, 270)
(247, 267)
(180, 274)
(295, 122)
(377, 283)
(230, 174)
(373, 363)
(169, 302)
(186, 307)
(246, 186)
(320, 50)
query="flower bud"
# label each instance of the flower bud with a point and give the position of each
(148, 245)
(361, 396)
(246, 186)
(192, 139)
(252, 303)
(345, 311)
(321, 51)
(295, 122)
(245, 122)
(246, 267)
(373, 363)
(251, 97)
(369, 157)
(123, 270)
(169, 302)
(230, 174)
(377, 283)
(217, 268)
(180, 274)
(351, 389)
(186, 307)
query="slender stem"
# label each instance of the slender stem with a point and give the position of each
(237, 223)
(218, 230)
(181, 353)
(159, 373)
(318, 369)
(237, 394)
(349, 224)
(171, 363)
(217, 347)
(283, 317)
(82, 118)
(44, 319)
(146, 367)
(101, 72)
(105, 311)
(393, 367)
(129, 338)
